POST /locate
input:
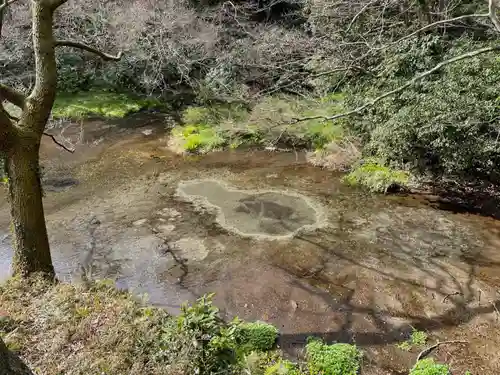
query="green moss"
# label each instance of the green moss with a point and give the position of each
(256, 336)
(282, 367)
(429, 367)
(202, 132)
(375, 176)
(336, 359)
(93, 103)
(199, 138)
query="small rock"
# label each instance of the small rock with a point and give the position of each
(147, 131)
(294, 305)
(166, 229)
(140, 222)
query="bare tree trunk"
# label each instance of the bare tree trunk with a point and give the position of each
(20, 140)
(31, 244)
(11, 364)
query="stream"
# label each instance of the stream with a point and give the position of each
(274, 238)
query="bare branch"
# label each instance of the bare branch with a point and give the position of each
(12, 95)
(424, 353)
(403, 87)
(493, 7)
(5, 4)
(85, 47)
(359, 14)
(431, 25)
(59, 143)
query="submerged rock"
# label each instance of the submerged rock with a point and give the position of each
(253, 213)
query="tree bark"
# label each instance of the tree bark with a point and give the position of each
(11, 364)
(31, 244)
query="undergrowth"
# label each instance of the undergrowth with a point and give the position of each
(98, 103)
(270, 122)
(373, 175)
(97, 329)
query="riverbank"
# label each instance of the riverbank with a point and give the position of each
(94, 329)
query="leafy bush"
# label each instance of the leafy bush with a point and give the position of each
(336, 359)
(445, 124)
(256, 336)
(429, 367)
(375, 176)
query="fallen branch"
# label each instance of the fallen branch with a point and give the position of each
(451, 295)
(424, 353)
(85, 47)
(59, 143)
(402, 87)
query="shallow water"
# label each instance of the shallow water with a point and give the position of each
(286, 243)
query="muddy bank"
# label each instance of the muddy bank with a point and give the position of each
(375, 268)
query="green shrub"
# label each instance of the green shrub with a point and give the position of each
(429, 367)
(256, 336)
(375, 176)
(336, 359)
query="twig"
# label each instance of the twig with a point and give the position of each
(452, 294)
(59, 143)
(424, 353)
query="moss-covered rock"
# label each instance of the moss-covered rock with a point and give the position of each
(373, 175)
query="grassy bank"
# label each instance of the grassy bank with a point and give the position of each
(268, 123)
(96, 329)
(99, 103)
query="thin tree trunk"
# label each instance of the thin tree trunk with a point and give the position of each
(31, 247)
(11, 364)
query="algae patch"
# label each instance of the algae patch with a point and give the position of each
(264, 214)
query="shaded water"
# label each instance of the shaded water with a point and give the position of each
(358, 267)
